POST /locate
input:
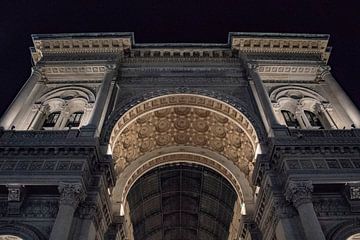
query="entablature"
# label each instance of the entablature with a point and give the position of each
(277, 43)
(87, 43)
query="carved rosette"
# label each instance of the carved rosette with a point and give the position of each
(71, 194)
(186, 126)
(299, 192)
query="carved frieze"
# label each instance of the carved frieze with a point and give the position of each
(322, 164)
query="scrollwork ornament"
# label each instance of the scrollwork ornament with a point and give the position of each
(71, 194)
(299, 192)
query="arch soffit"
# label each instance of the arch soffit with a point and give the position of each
(184, 100)
(182, 154)
(232, 102)
(174, 121)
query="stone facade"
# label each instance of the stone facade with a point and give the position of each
(99, 112)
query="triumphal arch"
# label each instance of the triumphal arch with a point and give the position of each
(112, 139)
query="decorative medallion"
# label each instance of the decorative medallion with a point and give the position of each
(199, 139)
(181, 138)
(219, 131)
(182, 110)
(163, 125)
(144, 132)
(217, 145)
(163, 140)
(130, 154)
(221, 119)
(143, 119)
(145, 146)
(162, 112)
(235, 140)
(202, 112)
(127, 141)
(200, 126)
(232, 154)
(182, 124)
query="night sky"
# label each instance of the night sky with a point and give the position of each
(177, 21)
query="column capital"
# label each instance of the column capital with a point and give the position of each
(71, 194)
(299, 192)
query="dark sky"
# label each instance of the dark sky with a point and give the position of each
(177, 21)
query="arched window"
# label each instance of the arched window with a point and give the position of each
(290, 118)
(74, 119)
(51, 120)
(313, 119)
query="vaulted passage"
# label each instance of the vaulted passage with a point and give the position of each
(181, 202)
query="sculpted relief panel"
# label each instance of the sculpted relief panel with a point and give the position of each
(183, 125)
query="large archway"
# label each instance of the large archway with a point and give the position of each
(181, 201)
(184, 128)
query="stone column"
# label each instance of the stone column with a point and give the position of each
(22, 97)
(71, 194)
(284, 224)
(88, 214)
(348, 106)
(262, 98)
(102, 99)
(299, 193)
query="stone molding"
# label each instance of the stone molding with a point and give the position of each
(281, 45)
(299, 192)
(71, 194)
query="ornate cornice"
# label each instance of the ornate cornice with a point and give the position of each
(84, 44)
(284, 44)
(299, 192)
(71, 194)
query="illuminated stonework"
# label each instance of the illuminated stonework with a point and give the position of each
(188, 126)
(9, 237)
(111, 139)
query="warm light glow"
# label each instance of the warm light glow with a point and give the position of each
(122, 212)
(243, 209)
(108, 150)
(354, 237)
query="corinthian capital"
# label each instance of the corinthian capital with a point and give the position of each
(299, 192)
(71, 194)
